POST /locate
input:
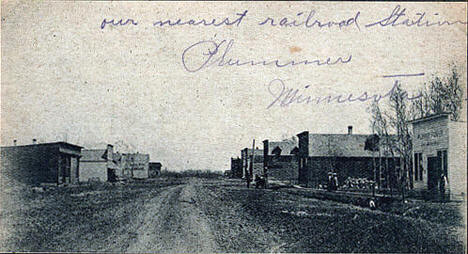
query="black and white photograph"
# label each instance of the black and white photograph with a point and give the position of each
(233, 127)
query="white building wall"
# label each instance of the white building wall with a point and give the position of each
(429, 136)
(437, 134)
(96, 169)
(457, 160)
(135, 165)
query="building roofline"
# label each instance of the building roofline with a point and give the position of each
(340, 134)
(283, 141)
(302, 133)
(105, 161)
(45, 144)
(426, 118)
(333, 134)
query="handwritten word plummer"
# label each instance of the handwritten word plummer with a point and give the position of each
(204, 54)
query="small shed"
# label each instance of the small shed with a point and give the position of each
(154, 169)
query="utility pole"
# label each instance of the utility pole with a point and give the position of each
(252, 160)
(245, 166)
(380, 167)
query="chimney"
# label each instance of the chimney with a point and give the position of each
(14, 142)
(350, 129)
(34, 141)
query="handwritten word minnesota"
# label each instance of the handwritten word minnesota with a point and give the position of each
(204, 54)
(306, 19)
(284, 96)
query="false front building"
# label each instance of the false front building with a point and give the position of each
(134, 165)
(236, 168)
(249, 166)
(98, 165)
(280, 159)
(439, 156)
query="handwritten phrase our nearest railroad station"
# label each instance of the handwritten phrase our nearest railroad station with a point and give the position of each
(310, 19)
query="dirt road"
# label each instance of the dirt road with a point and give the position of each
(179, 220)
(200, 215)
(172, 222)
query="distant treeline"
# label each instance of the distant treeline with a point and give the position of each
(192, 173)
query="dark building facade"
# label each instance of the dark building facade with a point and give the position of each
(154, 169)
(257, 162)
(280, 159)
(236, 168)
(56, 163)
(344, 154)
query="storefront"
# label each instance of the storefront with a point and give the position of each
(439, 156)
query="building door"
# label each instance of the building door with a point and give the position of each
(67, 170)
(433, 173)
(64, 169)
(302, 170)
(111, 176)
(74, 175)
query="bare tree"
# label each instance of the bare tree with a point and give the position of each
(381, 127)
(399, 116)
(441, 95)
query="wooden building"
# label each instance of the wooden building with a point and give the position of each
(280, 159)
(134, 165)
(98, 164)
(154, 169)
(246, 157)
(344, 154)
(439, 156)
(236, 168)
(56, 163)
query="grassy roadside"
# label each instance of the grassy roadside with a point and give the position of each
(81, 218)
(310, 225)
(105, 217)
(233, 230)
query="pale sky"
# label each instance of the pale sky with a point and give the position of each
(62, 75)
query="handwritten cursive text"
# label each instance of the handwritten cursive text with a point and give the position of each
(118, 23)
(398, 17)
(310, 21)
(204, 54)
(204, 22)
(284, 96)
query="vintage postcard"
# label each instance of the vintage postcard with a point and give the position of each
(233, 127)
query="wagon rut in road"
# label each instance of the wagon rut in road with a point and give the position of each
(173, 224)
